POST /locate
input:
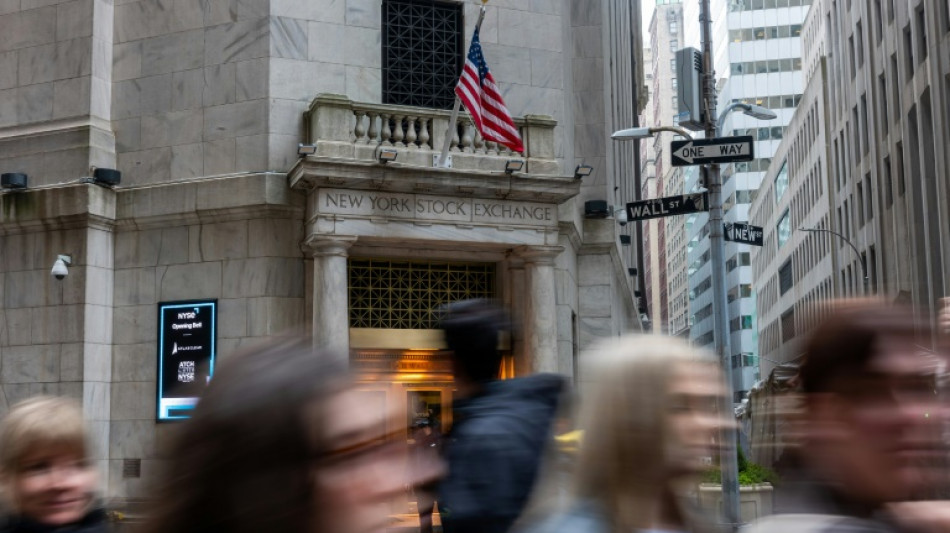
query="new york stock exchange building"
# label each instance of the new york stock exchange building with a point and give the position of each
(206, 175)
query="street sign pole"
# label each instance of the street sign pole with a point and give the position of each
(728, 461)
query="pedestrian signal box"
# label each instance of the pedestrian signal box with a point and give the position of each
(689, 89)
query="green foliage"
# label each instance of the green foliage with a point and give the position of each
(749, 473)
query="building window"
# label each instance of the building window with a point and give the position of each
(859, 32)
(674, 44)
(901, 186)
(422, 52)
(746, 321)
(888, 182)
(788, 325)
(783, 229)
(854, 61)
(411, 294)
(785, 279)
(882, 88)
(909, 52)
(860, 204)
(781, 182)
(879, 19)
(921, 34)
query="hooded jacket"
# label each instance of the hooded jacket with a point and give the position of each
(493, 452)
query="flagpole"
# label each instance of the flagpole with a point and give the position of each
(444, 158)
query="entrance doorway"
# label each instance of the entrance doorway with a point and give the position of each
(415, 384)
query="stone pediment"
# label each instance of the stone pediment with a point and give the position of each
(313, 173)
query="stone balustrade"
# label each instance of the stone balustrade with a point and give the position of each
(343, 129)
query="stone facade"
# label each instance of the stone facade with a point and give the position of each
(202, 105)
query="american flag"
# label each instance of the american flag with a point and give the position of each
(477, 90)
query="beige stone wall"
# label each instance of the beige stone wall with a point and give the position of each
(55, 88)
(93, 335)
(56, 335)
(190, 89)
(246, 255)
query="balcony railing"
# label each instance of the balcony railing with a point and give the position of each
(343, 129)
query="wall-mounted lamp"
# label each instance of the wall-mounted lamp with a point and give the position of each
(13, 180)
(582, 171)
(386, 155)
(303, 150)
(513, 165)
(109, 177)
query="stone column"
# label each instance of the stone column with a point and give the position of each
(331, 325)
(540, 309)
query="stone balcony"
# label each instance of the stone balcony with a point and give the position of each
(348, 136)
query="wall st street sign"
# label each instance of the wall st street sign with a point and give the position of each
(664, 207)
(719, 150)
(744, 233)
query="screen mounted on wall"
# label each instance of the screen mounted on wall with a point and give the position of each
(187, 347)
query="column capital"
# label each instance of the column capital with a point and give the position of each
(540, 255)
(324, 245)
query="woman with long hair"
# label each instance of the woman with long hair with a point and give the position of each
(649, 420)
(281, 442)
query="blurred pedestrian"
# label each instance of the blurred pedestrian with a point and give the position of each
(48, 479)
(500, 427)
(281, 442)
(649, 423)
(872, 425)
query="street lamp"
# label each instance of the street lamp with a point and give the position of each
(752, 110)
(864, 266)
(644, 133)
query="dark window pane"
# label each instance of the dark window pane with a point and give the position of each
(422, 52)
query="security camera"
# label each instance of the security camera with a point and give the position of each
(59, 270)
(620, 214)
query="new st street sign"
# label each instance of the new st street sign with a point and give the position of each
(664, 207)
(719, 150)
(744, 233)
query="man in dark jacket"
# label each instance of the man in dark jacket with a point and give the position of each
(500, 428)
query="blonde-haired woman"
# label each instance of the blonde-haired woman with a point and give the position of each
(48, 480)
(650, 422)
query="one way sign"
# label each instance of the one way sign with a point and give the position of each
(719, 150)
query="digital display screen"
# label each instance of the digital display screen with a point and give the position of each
(186, 354)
